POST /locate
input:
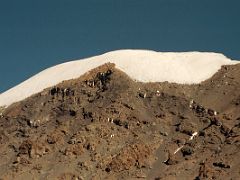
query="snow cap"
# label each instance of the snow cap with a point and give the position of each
(140, 65)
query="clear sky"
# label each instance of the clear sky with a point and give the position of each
(37, 34)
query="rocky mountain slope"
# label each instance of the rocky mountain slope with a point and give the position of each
(104, 125)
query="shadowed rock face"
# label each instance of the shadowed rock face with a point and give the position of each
(104, 125)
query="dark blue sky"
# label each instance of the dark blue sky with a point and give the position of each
(37, 34)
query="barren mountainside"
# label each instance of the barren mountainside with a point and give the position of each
(104, 125)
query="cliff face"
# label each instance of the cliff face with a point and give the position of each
(104, 125)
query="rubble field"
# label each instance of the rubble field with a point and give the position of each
(104, 125)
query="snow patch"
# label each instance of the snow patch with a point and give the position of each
(140, 65)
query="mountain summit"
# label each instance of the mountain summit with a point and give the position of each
(140, 65)
(125, 115)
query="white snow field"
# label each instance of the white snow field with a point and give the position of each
(140, 65)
